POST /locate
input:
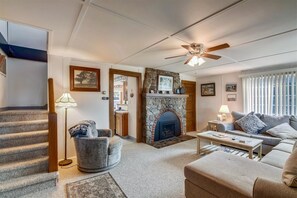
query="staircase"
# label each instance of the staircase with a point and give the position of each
(24, 153)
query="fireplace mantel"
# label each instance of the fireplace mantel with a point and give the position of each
(156, 95)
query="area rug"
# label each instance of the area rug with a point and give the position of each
(171, 141)
(99, 186)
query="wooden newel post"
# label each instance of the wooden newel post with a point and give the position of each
(52, 130)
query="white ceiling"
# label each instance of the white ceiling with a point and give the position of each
(142, 33)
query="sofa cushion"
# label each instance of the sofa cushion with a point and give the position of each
(251, 123)
(226, 175)
(267, 139)
(293, 122)
(283, 131)
(284, 147)
(237, 115)
(272, 121)
(289, 175)
(276, 158)
(288, 141)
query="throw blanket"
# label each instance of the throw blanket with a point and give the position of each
(82, 129)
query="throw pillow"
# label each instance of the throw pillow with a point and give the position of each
(237, 115)
(289, 175)
(293, 122)
(251, 123)
(283, 131)
(272, 121)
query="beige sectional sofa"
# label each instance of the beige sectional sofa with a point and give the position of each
(224, 175)
(271, 121)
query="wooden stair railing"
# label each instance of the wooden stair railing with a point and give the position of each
(52, 130)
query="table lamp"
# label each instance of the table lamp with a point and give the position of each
(223, 110)
(65, 101)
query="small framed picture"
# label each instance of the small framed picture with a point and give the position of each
(231, 87)
(2, 65)
(231, 97)
(165, 83)
(208, 89)
(84, 79)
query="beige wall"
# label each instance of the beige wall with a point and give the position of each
(208, 107)
(3, 88)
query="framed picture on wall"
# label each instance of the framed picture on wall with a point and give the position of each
(165, 83)
(2, 65)
(84, 79)
(231, 97)
(208, 89)
(231, 87)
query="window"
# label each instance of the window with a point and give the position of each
(274, 94)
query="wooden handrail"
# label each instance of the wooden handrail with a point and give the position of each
(52, 130)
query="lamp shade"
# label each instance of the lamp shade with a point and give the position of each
(224, 109)
(66, 101)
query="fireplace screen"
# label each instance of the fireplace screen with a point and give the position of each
(167, 126)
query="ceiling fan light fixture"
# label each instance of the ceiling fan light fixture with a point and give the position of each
(196, 60)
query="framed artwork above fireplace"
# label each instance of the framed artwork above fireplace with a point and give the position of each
(165, 83)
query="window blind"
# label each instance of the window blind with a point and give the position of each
(273, 94)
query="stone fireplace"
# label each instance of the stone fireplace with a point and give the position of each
(164, 115)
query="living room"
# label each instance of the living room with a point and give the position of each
(232, 41)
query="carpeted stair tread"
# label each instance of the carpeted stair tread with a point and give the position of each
(13, 136)
(29, 180)
(23, 112)
(23, 126)
(22, 149)
(23, 115)
(20, 123)
(22, 164)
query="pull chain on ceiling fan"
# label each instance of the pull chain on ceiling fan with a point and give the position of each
(196, 51)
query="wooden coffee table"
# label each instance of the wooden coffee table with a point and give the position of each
(234, 141)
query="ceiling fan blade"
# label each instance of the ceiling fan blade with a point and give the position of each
(187, 47)
(218, 47)
(175, 56)
(216, 57)
(188, 60)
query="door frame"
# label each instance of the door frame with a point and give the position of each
(138, 77)
(192, 83)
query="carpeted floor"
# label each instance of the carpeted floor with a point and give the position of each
(144, 172)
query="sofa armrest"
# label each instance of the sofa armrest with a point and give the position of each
(222, 127)
(104, 132)
(272, 189)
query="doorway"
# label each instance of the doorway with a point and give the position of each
(190, 88)
(125, 90)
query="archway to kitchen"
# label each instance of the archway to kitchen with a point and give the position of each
(119, 100)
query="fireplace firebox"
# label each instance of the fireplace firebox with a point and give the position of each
(168, 125)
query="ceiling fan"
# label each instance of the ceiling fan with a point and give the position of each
(196, 51)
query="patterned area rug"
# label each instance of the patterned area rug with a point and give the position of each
(103, 186)
(171, 141)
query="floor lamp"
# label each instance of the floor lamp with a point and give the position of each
(65, 101)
